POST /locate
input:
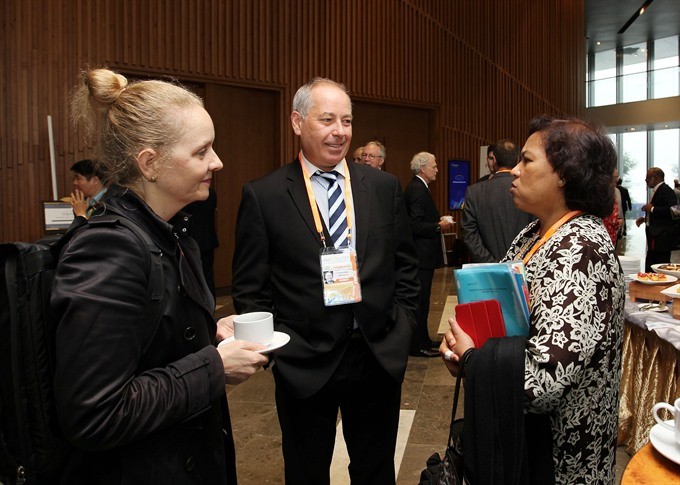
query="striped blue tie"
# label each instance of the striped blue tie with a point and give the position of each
(337, 215)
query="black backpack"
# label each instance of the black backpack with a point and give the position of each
(32, 448)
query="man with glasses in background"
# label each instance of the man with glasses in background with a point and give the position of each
(374, 154)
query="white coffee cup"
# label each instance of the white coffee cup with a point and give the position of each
(448, 219)
(255, 327)
(675, 411)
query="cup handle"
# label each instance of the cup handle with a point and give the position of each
(655, 411)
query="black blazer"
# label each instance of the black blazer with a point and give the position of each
(424, 218)
(276, 268)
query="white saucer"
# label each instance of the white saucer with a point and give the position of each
(280, 339)
(664, 441)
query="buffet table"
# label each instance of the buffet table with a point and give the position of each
(650, 372)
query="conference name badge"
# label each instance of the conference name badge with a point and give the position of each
(340, 276)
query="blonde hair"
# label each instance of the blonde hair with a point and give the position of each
(121, 119)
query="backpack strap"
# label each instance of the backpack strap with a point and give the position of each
(155, 286)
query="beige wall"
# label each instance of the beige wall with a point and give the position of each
(642, 115)
(480, 70)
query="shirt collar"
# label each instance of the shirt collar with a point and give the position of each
(421, 178)
(97, 197)
(311, 169)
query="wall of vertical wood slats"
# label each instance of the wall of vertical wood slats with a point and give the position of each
(485, 66)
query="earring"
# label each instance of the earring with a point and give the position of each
(152, 179)
(560, 183)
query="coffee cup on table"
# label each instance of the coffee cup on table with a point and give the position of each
(255, 327)
(675, 411)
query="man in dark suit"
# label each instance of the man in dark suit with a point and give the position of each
(427, 228)
(350, 356)
(660, 228)
(490, 219)
(626, 203)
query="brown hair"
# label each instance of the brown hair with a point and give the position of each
(121, 119)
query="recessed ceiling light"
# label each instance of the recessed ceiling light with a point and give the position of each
(598, 42)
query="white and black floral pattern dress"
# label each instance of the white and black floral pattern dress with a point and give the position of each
(573, 359)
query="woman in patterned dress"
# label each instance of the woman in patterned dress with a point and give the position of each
(562, 400)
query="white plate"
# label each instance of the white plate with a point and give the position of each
(280, 339)
(672, 291)
(656, 268)
(664, 441)
(669, 279)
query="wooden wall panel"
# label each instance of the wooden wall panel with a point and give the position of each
(483, 68)
(243, 160)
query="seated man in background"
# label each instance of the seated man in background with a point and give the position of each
(88, 188)
(490, 219)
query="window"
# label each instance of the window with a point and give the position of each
(665, 72)
(665, 154)
(633, 167)
(640, 150)
(633, 73)
(603, 86)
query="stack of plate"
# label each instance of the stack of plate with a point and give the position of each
(630, 265)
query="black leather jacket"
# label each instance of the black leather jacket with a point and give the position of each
(142, 403)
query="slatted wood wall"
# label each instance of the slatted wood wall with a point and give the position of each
(485, 67)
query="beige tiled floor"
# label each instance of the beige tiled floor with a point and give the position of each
(426, 404)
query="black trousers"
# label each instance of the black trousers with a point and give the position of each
(421, 337)
(368, 400)
(654, 255)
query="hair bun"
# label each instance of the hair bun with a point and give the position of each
(104, 85)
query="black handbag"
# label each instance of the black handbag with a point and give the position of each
(449, 469)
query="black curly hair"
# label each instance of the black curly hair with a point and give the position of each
(584, 157)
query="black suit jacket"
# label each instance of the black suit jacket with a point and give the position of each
(276, 268)
(625, 198)
(660, 229)
(424, 218)
(490, 219)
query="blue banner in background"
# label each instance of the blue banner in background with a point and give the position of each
(459, 179)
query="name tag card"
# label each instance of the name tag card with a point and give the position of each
(340, 276)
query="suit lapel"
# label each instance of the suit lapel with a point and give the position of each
(361, 198)
(298, 192)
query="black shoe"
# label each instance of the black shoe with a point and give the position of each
(424, 353)
(435, 344)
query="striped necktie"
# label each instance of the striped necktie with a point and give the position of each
(337, 215)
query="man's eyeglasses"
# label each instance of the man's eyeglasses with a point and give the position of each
(371, 156)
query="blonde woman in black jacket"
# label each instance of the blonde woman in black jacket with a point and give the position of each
(142, 398)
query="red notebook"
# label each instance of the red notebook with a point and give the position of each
(481, 320)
